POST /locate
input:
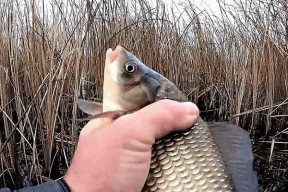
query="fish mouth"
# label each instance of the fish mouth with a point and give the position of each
(113, 54)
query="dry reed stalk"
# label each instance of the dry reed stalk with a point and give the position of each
(234, 66)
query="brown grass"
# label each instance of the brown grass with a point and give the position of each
(233, 66)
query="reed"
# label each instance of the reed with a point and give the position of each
(234, 66)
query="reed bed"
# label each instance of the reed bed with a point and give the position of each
(234, 66)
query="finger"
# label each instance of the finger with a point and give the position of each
(163, 117)
(94, 125)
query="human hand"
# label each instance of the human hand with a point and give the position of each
(115, 156)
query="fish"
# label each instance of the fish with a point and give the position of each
(215, 156)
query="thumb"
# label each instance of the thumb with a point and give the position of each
(163, 117)
(94, 125)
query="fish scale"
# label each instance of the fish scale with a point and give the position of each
(187, 161)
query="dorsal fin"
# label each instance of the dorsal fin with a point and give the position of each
(90, 107)
(235, 145)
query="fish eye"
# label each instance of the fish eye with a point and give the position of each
(130, 67)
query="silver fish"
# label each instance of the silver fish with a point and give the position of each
(206, 157)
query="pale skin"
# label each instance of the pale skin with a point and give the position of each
(114, 156)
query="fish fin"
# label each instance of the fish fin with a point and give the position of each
(235, 146)
(90, 107)
(108, 114)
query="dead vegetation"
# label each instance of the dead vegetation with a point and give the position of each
(234, 66)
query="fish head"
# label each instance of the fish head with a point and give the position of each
(130, 85)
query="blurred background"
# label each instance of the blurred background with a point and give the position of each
(229, 57)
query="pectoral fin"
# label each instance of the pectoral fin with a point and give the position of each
(108, 114)
(96, 110)
(90, 107)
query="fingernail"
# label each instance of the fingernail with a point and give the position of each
(192, 109)
(190, 105)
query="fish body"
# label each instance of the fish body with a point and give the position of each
(181, 161)
(188, 161)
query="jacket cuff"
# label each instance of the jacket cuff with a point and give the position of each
(56, 186)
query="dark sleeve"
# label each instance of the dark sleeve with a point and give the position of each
(55, 186)
(5, 190)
